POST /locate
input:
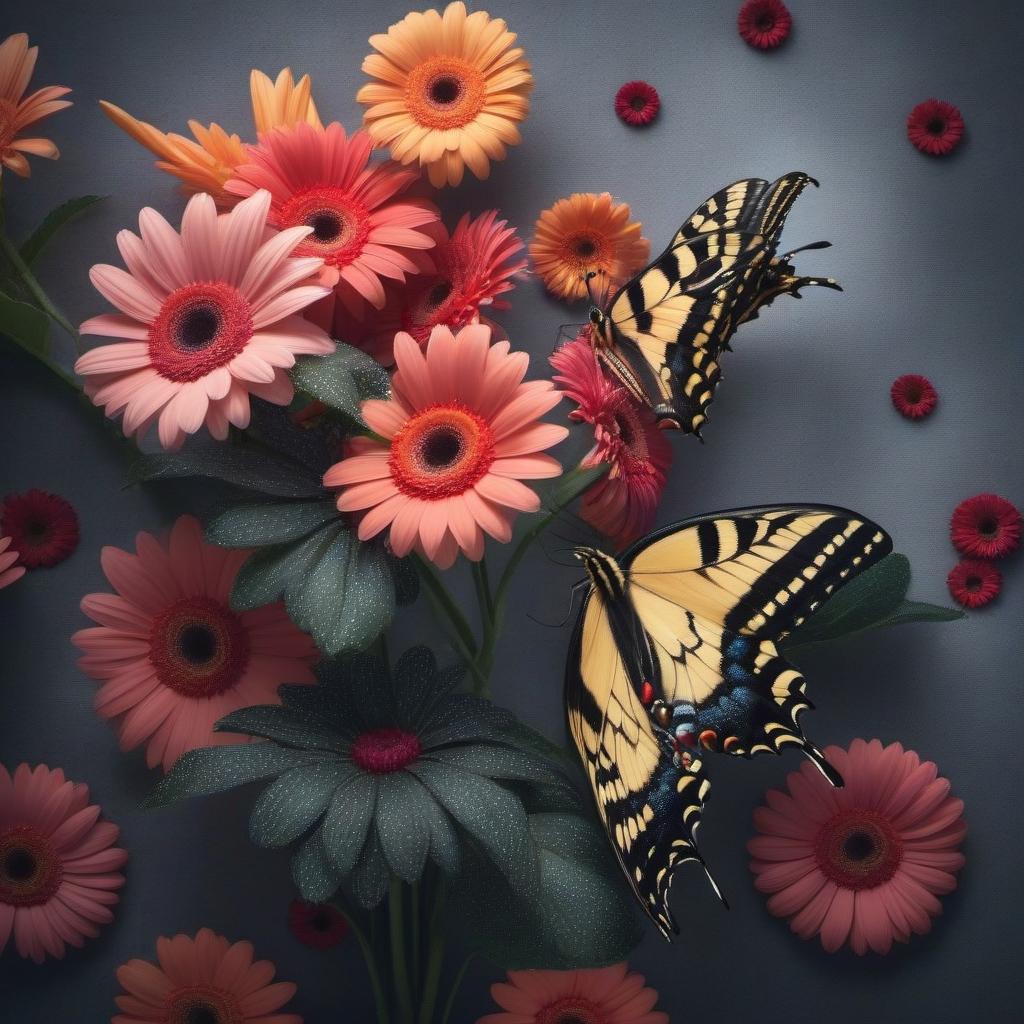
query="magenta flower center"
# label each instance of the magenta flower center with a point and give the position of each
(199, 647)
(383, 751)
(30, 869)
(858, 849)
(340, 223)
(202, 1004)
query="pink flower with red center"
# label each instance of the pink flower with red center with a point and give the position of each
(459, 434)
(764, 24)
(317, 925)
(974, 583)
(985, 526)
(623, 503)
(208, 317)
(864, 864)
(202, 979)
(637, 104)
(10, 572)
(172, 655)
(322, 179)
(603, 995)
(935, 127)
(59, 867)
(42, 526)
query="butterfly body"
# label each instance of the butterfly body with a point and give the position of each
(675, 660)
(662, 334)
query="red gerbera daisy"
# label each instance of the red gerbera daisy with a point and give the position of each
(764, 24)
(935, 127)
(913, 396)
(985, 526)
(43, 527)
(637, 103)
(973, 583)
(318, 925)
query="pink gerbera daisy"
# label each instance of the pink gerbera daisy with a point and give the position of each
(864, 864)
(622, 504)
(203, 979)
(9, 571)
(603, 995)
(459, 434)
(207, 318)
(322, 179)
(17, 111)
(172, 655)
(472, 267)
(59, 867)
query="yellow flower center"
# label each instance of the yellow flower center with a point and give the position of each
(445, 92)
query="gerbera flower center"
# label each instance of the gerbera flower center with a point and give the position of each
(570, 1010)
(936, 126)
(199, 328)
(340, 223)
(201, 1004)
(30, 870)
(441, 451)
(583, 252)
(383, 751)
(858, 849)
(199, 647)
(445, 92)
(988, 527)
(428, 309)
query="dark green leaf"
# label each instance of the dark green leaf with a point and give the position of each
(283, 725)
(259, 524)
(215, 769)
(569, 486)
(52, 223)
(293, 803)
(315, 876)
(348, 821)
(24, 325)
(529, 739)
(342, 380)
(407, 580)
(403, 824)
(273, 426)
(921, 611)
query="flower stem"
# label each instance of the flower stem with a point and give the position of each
(435, 956)
(454, 990)
(371, 966)
(400, 971)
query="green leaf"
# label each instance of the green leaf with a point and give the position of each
(215, 769)
(921, 611)
(407, 580)
(52, 223)
(292, 804)
(569, 486)
(258, 524)
(578, 913)
(342, 380)
(25, 325)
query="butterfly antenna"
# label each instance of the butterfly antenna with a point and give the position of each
(568, 615)
(805, 248)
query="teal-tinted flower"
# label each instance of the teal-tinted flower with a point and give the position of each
(374, 772)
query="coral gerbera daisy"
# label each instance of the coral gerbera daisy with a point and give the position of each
(582, 234)
(637, 103)
(913, 396)
(863, 864)
(622, 504)
(42, 526)
(205, 164)
(449, 90)
(9, 571)
(472, 267)
(764, 24)
(603, 995)
(202, 979)
(172, 655)
(974, 583)
(18, 111)
(322, 179)
(208, 318)
(317, 925)
(935, 127)
(459, 435)
(985, 526)
(59, 867)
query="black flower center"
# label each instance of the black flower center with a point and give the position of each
(19, 864)
(570, 1018)
(638, 102)
(765, 21)
(445, 89)
(321, 921)
(936, 126)
(36, 530)
(326, 226)
(439, 293)
(988, 527)
(585, 248)
(197, 644)
(442, 448)
(198, 327)
(201, 1013)
(859, 846)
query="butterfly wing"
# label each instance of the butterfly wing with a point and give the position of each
(649, 802)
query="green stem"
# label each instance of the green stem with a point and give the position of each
(53, 367)
(371, 966)
(454, 991)
(398, 955)
(415, 940)
(435, 957)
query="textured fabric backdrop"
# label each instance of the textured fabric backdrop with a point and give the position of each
(926, 250)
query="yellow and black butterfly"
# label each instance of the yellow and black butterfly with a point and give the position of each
(663, 333)
(675, 656)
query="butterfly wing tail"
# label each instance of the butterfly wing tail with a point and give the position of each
(818, 759)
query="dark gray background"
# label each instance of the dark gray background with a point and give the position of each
(927, 252)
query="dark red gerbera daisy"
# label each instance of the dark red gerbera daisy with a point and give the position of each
(974, 583)
(935, 127)
(43, 527)
(985, 526)
(637, 103)
(318, 925)
(913, 395)
(764, 23)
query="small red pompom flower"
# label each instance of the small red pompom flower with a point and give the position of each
(637, 103)
(913, 396)
(935, 127)
(318, 925)
(43, 527)
(973, 582)
(764, 24)
(985, 526)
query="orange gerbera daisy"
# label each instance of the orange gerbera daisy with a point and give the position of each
(586, 233)
(205, 164)
(448, 91)
(17, 62)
